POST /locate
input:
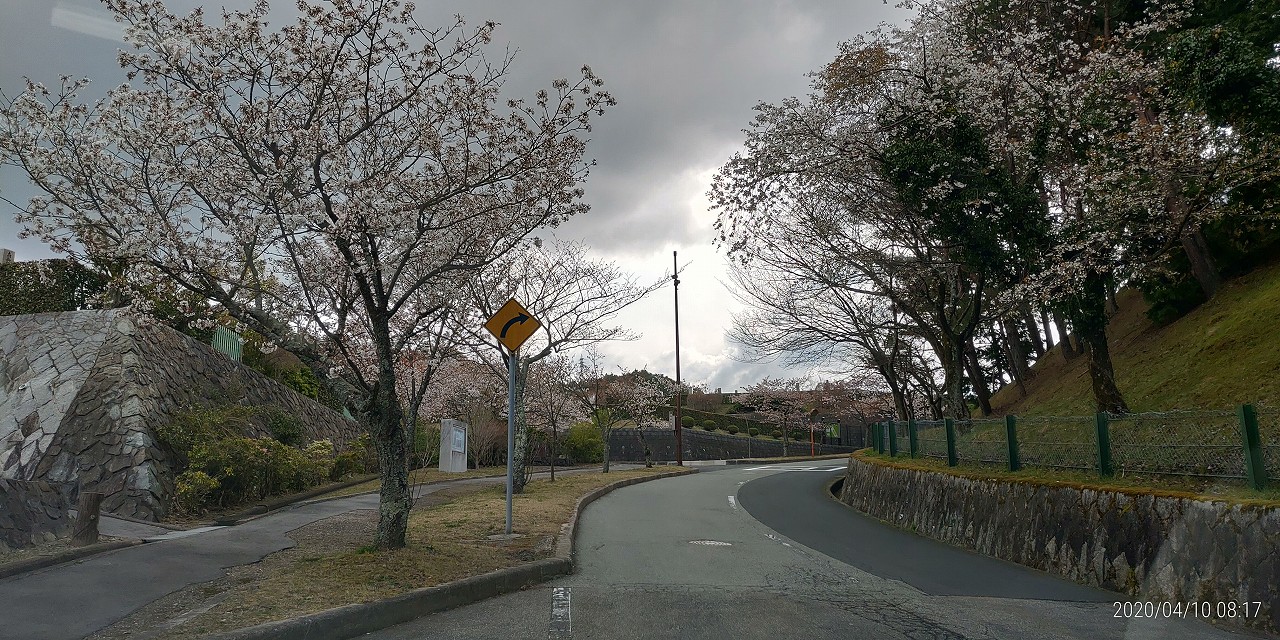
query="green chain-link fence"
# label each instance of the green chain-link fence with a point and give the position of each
(1241, 446)
(1058, 442)
(981, 442)
(932, 436)
(1185, 443)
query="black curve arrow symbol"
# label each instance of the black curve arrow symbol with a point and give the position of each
(520, 319)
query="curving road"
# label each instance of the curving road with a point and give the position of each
(764, 552)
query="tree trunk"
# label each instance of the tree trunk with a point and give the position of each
(1064, 337)
(1048, 335)
(606, 435)
(1033, 330)
(953, 380)
(1203, 267)
(1013, 370)
(648, 453)
(884, 365)
(385, 422)
(520, 461)
(1089, 316)
(978, 381)
(1018, 356)
(784, 436)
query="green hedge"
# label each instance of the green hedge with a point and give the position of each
(47, 286)
(221, 467)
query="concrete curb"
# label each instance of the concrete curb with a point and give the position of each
(41, 562)
(829, 456)
(358, 619)
(267, 506)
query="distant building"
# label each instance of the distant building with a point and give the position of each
(6, 256)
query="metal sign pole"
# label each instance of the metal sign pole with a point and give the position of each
(511, 428)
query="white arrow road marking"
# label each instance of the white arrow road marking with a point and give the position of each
(733, 502)
(561, 627)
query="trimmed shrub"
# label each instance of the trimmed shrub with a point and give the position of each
(732, 429)
(192, 490)
(776, 434)
(359, 458)
(221, 467)
(753, 432)
(687, 422)
(709, 425)
(284, 427)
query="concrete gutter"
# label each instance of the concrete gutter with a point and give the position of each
(41, 562)
(829, 456)
(268, 506)
(358, 619)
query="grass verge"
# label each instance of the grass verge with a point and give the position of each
(1219, 355)
(331, 566)
(1172, 486)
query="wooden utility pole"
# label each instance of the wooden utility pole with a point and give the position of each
(675, 278)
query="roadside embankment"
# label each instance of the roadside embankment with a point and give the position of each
(1154, 547)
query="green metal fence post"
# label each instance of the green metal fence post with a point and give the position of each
(912, 437)
(1105, 469)
(950, 425)
(1254, 469)
(893, 438)
(1011, 430)
(875, 437)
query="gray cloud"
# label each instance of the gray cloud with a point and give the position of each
(686, 74)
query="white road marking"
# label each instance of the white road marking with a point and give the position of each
(561, 627)
(711, 543)
(733, 502)
(776, 539)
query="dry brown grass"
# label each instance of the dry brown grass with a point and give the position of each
(447, 540)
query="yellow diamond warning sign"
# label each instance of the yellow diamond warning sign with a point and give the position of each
(512, 325)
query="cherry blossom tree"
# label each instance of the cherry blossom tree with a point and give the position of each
(551, 402)
(332, 183)
(783, 401)
(578, 299)
(983, 156)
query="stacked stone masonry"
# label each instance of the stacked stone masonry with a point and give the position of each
(32, 513)
(1153, 547)
(82, 394)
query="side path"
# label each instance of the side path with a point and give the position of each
(73, 600)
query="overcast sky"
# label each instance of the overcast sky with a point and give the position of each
(686, 75)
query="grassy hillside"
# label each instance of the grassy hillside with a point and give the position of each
(1222, 354)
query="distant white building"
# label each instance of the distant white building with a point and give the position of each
(6, 256)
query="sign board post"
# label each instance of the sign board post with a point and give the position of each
(453, 446)
(511, 325)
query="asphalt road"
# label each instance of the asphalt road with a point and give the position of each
(107, 587)
(764, 553)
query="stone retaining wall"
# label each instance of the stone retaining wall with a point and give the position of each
(82, 394)
(1156, 548)
(32, 513)
(627, 445)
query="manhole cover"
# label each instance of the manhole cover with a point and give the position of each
(711, 543)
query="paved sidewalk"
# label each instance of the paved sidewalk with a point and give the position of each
(73, 600)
